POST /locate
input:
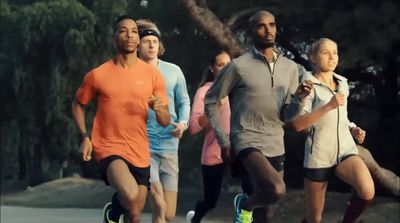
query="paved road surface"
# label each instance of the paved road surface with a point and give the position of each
(60, 215)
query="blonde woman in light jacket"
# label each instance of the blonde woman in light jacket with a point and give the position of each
(330, 147)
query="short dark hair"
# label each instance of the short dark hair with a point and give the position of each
(119, 19)
(253, 20)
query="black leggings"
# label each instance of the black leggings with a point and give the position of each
(212, 181)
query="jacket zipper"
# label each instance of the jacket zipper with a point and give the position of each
(337, 130)
(337, 135)
(312, 139)
(271, 71)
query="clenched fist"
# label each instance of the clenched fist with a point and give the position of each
(155, 103)
(358, 134)
(304, 89)
(337, 100)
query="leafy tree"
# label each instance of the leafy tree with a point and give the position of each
(45, 42)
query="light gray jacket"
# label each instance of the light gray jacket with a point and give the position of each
(329, 138)
(259, 99)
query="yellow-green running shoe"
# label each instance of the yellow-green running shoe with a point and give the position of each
(241, 215)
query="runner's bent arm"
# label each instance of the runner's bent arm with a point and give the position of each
(182, 103)
(222, 87)
(306, 120)
(84, 95)
(294, 97)
(159, 101)
(197, 114)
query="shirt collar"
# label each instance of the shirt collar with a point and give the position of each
(259, 55)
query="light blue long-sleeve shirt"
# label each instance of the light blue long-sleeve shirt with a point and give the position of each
(161, 139)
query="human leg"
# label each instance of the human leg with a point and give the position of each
(170, 198)
(315, 184)
(156, 190)
(158, 202)
(354, 172)
(136, 209)
(129, 193)
(268, 184)
(314, 200)
(261, 214)
(212, 181)
(169, 170)
(266, 214)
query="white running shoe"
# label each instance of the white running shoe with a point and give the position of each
(189, 216)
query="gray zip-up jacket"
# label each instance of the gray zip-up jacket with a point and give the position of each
(329, 139)
(259, 98)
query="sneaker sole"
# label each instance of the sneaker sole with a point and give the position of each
(104, 210)
(189, 216)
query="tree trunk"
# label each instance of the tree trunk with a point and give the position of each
(224, 36)
(36, 173)
(209, 23)
(21, 163)
(389, 181)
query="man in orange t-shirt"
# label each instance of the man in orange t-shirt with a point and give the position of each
(124, 88)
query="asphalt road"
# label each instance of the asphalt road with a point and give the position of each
(60, 215)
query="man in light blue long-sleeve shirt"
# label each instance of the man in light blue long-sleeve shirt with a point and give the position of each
(164, 141)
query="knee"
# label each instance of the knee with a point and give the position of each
(158, 200)
(169, 217)
(273, 193)
(367, 192)
(129, 197)
(278, 191)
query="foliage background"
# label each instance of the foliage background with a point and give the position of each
(47, 47)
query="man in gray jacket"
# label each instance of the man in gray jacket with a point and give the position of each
(261, 85)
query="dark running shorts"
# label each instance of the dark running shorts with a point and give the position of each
(321, 174)
(141, 175)
(238, 169)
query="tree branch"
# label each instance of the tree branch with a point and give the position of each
(233, 20)
(210, 24)
(383, 177)
(285, 43)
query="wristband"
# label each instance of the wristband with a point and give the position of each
(84, 135)
(352, 125)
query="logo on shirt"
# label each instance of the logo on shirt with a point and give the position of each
(139, 82)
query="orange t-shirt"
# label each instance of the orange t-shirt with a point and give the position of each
(122, 95)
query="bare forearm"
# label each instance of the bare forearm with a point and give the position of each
(78, 112)
(163, 116)
(307, 120)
